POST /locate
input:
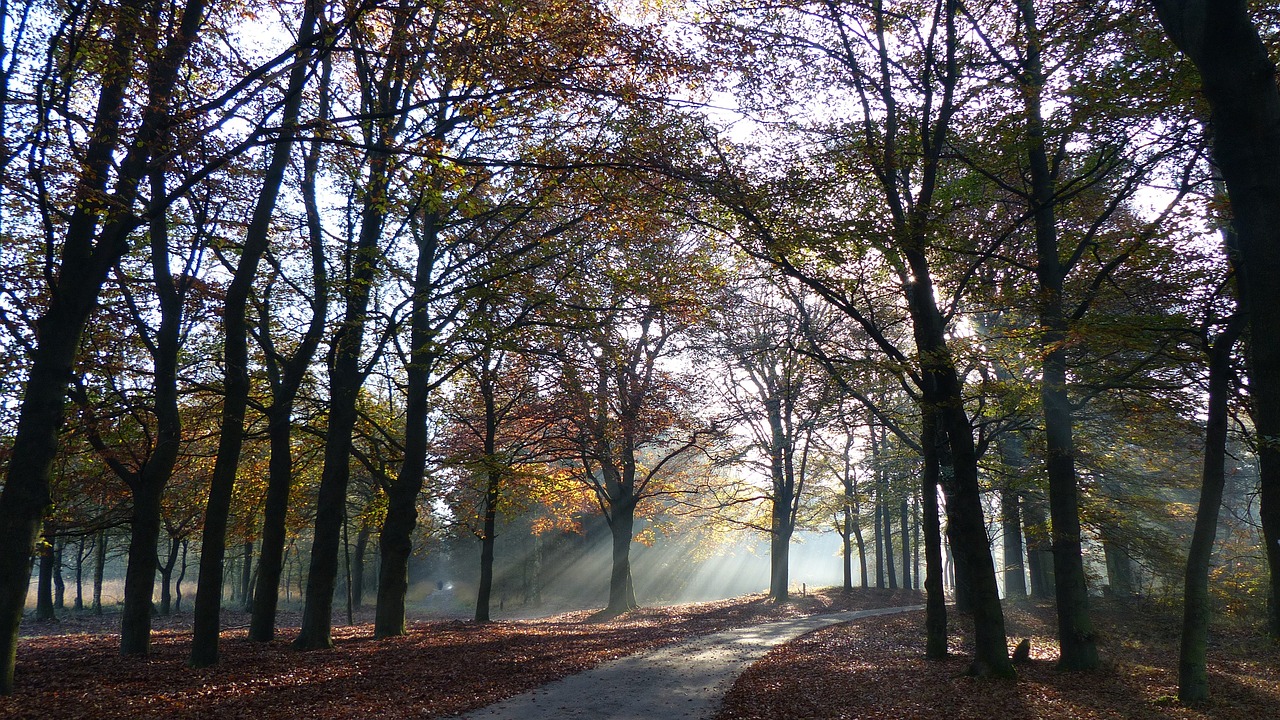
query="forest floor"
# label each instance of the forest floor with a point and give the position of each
(874, 669)
(868, 669)
(72, 669)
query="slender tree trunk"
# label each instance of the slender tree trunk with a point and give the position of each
(1039, 553)
(862, 553)
(886, 516)
(59, 583)
(177, 584)
(486, 543)
(246, 576)
(1015, 581)
(357, 567)
(284, 391)
(213, 547)
(879, 542)
(1193, 676)
(1013, 458)
(99, 568)
(80, 551)
(44, 585)
(402, 497)
(1238, 79)
(906, 543)
(935, 622)
(166, 576)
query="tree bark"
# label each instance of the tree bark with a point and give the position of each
(935, 619)
(1193, 675)
(1238, 80)
(99, 567)
(44, 585)
(622, 596)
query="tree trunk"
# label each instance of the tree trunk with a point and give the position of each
(486, 545)
(99, 567)
(1119, 566)
(246, 576)
(935, 619)
(1193, 676)
(1013, 458)
(396, 546)
(79, 601)
(208, 603)
(140, 575)
(879, 542)
(59, 583)
(1015, 581)
(82, 270)
(862, 553)
(44, 585)
(1238, 80)
(1039, 553)
(622, 597)
(266, 599)
(292, 372)
(942, 389)
(906, 544)
(166, 577)
(177, 584)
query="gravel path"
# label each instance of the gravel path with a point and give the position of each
(686, 680)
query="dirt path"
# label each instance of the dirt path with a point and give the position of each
(686, 680)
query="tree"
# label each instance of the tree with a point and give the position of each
(629, 418)
(208, 602)
(94, 238)
(783, 395)
(1237, 79)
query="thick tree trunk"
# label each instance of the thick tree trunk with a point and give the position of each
(622, 597)
(1193, 676)
(140, 575)
(935, 619)
(396, 546)
(402, 497)
(1238, 80)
